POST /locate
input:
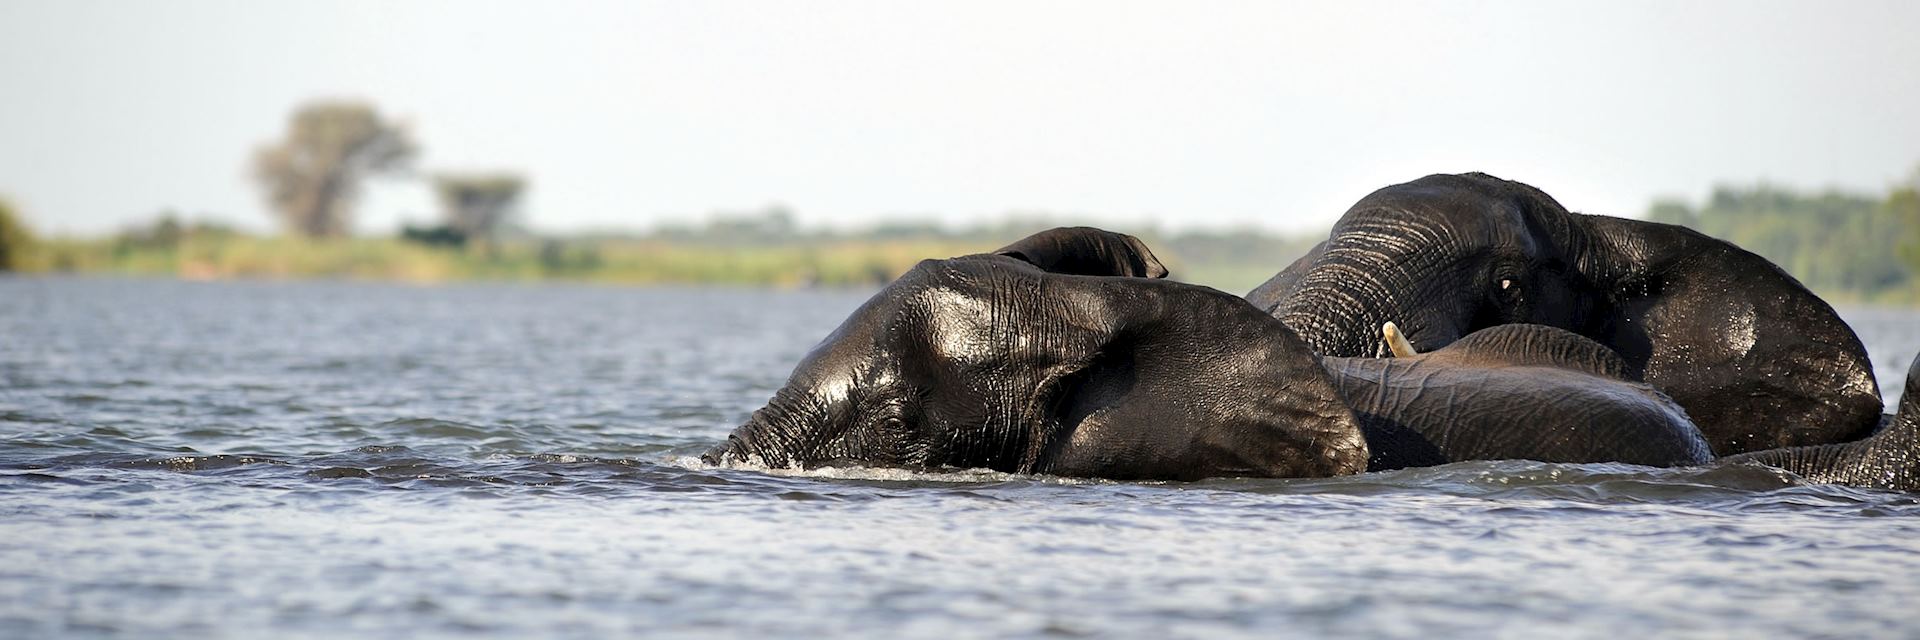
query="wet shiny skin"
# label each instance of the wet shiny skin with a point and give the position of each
(313, 459)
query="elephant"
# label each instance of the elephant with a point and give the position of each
(1757, 361)
(986, 361)
(989, 361)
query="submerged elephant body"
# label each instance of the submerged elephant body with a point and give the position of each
(1513, 392)
(1757, 360)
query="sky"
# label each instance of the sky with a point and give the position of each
(1169, 114)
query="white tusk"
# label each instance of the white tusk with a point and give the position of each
(1397, 342)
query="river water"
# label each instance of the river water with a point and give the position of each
(359, 460)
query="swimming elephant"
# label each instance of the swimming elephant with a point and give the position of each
(987, 361)
(1758, 361)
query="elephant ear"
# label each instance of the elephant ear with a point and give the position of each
(1884, 461)
(1759, 361)
(1188, 382)
(1533, 345)
(1086, 251)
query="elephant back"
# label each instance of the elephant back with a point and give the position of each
(1533, 345)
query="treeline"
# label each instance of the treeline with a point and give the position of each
(1849, 247)
(764, 248)
(1231, 259)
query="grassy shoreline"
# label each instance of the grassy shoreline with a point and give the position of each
(811, 262)
(625, 262)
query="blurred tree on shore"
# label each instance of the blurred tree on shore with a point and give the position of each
(773, 224)
(1903, 207)
(16, 241)
(479, 206)
(169, 230)
(1861, 247)
(313, 174)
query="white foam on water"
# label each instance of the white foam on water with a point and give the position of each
(756, 464)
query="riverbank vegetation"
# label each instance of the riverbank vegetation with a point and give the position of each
(1849, 247)
(18, 249)
(763, 249)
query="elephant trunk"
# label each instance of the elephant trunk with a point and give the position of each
(744, 445)
(1363, 278)
(1889, 459)
(723, 452)
(1325, 315)
(771, 437)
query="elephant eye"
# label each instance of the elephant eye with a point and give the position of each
(897, 424)
(1507, 285)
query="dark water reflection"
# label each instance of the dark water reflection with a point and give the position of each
(296, 460)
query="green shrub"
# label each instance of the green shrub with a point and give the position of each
(17, 246)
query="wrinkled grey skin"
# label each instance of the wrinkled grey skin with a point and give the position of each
(1888, 460)
(989, 362)
(1757, 361)
(1513, 392)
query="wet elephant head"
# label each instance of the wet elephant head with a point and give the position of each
(1757, 360)
(990, 362)
(1086, 251)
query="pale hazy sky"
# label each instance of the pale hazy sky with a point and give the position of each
(1181, 113)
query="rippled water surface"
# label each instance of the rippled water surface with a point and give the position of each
(357, 460)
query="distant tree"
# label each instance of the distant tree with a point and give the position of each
(312, 175)
(559, 257)
(1672, 211)
(437, 236)
(15, 240)
(1902, 209)
(907, 229)
(774, 224)
(169, 230)
(479, 206)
